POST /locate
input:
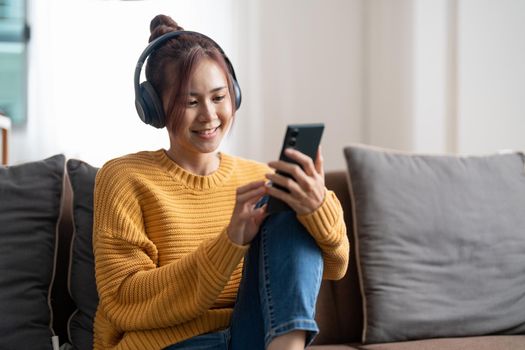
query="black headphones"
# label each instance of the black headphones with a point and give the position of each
(147, 101)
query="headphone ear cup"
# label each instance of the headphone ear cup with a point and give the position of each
(236, 91)
(152, 110)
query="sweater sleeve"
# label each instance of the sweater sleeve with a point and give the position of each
(136, 294)
(327, 227)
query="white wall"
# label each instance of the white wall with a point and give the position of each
(418, 75)
(82, 59)
(433, 76)
(491, 79)
(388, 73)
(302, 63)
(444, 75)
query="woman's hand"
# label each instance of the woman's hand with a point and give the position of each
(307, 192)
(246, 219)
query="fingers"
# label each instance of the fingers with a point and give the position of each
(319, 162)
(306, 187)
(283, 181)
(250, 193)
(305, 161)
(260, 214)
(250, 186)
(280, 194)
(245, 219)
(291, 169)
(303, 177)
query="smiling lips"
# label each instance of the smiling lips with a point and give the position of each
(207, 133)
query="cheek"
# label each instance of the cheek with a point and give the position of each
(226, 113)
(178, 129)
(188, 117)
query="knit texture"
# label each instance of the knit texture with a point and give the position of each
(166, 269)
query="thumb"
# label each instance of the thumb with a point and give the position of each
(319, 162)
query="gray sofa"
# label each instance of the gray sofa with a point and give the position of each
(368, 309)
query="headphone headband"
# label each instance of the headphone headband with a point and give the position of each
(147, 102)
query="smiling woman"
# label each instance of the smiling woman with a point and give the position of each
(171, 227)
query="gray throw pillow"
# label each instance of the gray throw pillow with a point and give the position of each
(440, 243)
(30, 196)
(82, 285)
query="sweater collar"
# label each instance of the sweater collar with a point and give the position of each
(193, 181)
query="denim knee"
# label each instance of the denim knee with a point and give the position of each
(292, 267)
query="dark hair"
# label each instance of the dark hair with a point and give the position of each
(170, 66)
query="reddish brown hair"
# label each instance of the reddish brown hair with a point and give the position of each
(169, 68)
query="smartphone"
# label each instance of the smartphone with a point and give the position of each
(306, 139)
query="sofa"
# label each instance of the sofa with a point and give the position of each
(356, 312)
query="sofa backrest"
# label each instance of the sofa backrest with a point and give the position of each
(61, 301)
(339, 307)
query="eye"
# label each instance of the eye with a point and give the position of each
(219, 98)
(192, 103)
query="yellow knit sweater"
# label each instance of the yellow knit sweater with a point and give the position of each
(165, 267)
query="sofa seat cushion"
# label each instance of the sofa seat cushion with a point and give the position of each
(332, 347)
(506, 342)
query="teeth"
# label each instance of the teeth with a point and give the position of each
(207, 131)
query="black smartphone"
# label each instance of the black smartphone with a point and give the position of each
(306, 139)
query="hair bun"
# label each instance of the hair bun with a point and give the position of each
(161, 25)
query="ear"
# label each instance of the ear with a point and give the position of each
(152, 106)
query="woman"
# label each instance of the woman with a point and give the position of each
(171, 227)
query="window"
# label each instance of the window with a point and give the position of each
(14, 34)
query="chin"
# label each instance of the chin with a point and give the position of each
(208, 149)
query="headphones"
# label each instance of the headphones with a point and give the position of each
(147, 101)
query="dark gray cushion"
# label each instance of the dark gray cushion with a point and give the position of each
(440, 243)
(82, 285)
(30, 197)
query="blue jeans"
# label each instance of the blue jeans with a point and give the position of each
(281, 279)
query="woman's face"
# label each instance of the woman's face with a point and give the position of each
(208, 114)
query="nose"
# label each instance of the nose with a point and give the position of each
(207, 111)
